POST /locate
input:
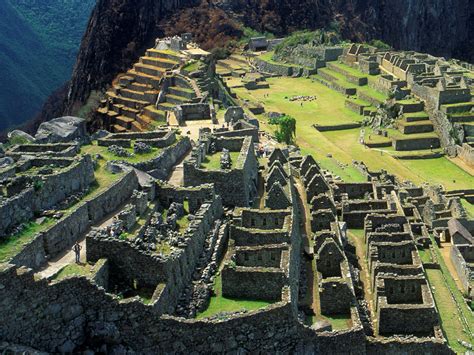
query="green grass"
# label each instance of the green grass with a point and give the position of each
(338, 322)
(359, 233)
(94, 149)
(425, 255)
(219, 304)
(12, 245)
(213, 162)
(344, 146)
(340, 78)
(443, 284)
(74, 270)
(469, 207)
(268, 57)
(377, 95)
(349, 70)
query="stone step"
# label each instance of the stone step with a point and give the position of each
(149, 69)
(136, 86)
(409, 106)
(132, 103)
(166, 106)
(415, 117)
(457, 108)
(154, 113)
(144, 120)
(125, 80)
(125, 111)
(136, 127)
(415, 127)
(461, 117)
(170, 55)
(123, 121)
(182, 92)
(142, 78)
(177, 100)
(118, 129)
(158, 62)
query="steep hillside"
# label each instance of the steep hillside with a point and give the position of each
(120, 30)
(38, 46)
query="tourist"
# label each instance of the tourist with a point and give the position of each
(77, 250)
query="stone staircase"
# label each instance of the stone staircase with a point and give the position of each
(130, 102)
(180, 91)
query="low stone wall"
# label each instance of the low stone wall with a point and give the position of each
(354, 106)
(372, 100)
(340, 127)
(416, 144)
(279, 69)
(466, 153)
(66, 231)
(395, 346)
(160, 167)
(359, 81)
(53, 189)
(336, 87)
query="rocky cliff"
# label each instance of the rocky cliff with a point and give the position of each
(119, 30)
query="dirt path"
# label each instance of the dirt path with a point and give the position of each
(364, 274)
(177, 174)
(445, 250)
(68, 256)
(312, 294)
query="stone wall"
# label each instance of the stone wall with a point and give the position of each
(416, 144)
(160, 167)
(70, 228)
(52, 189)
(466, 153)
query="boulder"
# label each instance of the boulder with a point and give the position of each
(4, 162)
(99, 134)
(61, 130)
(233, 114)
(20, 137)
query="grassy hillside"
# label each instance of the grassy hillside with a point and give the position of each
(38, 45)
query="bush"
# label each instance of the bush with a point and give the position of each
(380, 44)
(287, 129)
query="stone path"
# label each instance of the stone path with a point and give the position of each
(445, 250)
(68, 256)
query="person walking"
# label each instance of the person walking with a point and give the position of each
(77, 250)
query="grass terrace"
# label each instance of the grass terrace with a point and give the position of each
(336, 150)
(213, 162)
(74, 270)
(219, 304)
(94, 149)
(13, 244)
(192, 66)
(338, 322)
(469, 207)
(457, 319)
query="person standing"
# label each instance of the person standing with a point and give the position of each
(77, 250)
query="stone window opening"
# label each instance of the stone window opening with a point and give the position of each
(413, 289)
(246, 257)
(402, 288)
(277, 222)
(390, 290)
(259, 257)
(273, 256)
(252, 222)
(264, 222)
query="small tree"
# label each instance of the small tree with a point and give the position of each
(287, 129)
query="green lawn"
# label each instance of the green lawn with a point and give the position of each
(220, 304)
(213, 162)
(338, 322)
(443, 284)
(469, 207)
(425, 255)
(12, 245)
(335, 150)
(74, 270)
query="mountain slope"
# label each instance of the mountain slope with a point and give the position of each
(38, 45)
(119, 30)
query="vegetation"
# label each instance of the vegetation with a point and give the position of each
(336, 150)
(457, 319)
(286, 131)
(380, 45)
(213, 161)
(74, 270)
(94, 149)
(220, 304)
(304, 37)
(12, 245)
(338, 322)
(35, 36)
